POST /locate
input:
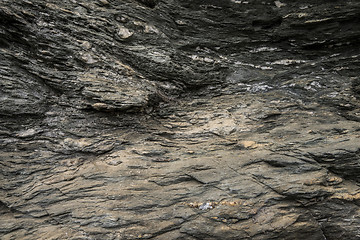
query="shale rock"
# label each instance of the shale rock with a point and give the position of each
(133, 119)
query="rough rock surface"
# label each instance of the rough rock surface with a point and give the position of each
(191, 119)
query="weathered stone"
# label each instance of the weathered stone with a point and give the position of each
(136, 119)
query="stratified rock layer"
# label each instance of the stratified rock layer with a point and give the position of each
(179, 119)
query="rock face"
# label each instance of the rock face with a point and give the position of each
(192, 119)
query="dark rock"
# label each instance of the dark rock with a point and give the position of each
(134, 119)
(149, 3)
(356, 86)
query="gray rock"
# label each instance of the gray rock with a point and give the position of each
(179, 119)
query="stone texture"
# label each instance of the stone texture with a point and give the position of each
(124, 119)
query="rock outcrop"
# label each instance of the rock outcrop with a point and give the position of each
(201, 119)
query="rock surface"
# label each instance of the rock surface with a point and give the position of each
(175, 119)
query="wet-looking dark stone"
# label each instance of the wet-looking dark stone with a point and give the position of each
(149, 3)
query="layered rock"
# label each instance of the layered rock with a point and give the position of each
(179, 119)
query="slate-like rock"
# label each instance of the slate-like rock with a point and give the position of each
(134, 119)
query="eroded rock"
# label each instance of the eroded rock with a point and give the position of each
(179, 119)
